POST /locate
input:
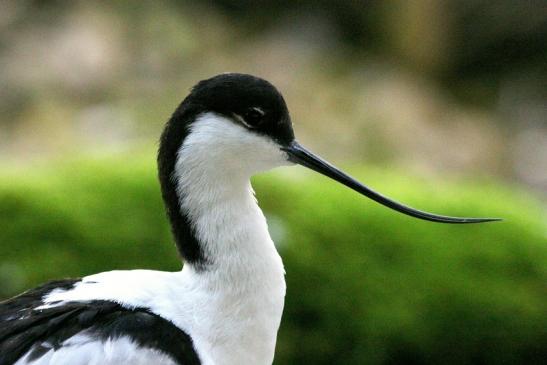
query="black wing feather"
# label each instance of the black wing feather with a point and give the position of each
(23, 328)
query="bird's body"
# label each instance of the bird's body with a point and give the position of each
(232, 309)
(224, 307)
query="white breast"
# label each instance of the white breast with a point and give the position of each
(85, 350)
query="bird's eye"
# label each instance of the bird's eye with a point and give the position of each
(253, 117)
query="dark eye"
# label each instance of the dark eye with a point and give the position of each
(253, 117)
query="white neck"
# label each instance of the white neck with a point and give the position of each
(231, 307)
(238, 297)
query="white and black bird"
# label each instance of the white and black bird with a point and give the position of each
(224, 307)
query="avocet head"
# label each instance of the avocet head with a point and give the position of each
(232, 126)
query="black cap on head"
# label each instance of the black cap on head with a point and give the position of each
(249, 100)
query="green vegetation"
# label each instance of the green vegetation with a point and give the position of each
(365, 285)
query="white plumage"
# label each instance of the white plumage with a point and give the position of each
(233, 311)
(82, 349)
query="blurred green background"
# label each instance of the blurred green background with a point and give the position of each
(439, 104)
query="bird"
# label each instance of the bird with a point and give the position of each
(225, 305)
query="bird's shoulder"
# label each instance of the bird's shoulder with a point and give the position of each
(99, 331)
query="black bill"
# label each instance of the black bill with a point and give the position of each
(301, 156)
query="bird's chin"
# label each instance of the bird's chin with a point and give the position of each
(269, 164)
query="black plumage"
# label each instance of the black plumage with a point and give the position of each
(25, 328)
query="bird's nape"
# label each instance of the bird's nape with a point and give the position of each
(300, 155)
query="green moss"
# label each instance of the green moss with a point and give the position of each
(368, 285)
(365, 284)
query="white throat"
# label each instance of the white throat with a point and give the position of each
(243, 284)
